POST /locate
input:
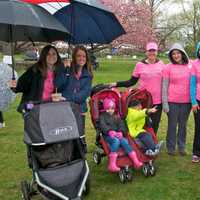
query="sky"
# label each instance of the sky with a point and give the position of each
(173, 8)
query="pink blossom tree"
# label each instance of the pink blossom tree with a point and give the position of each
(136, 20)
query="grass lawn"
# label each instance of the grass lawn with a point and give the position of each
(176, 179)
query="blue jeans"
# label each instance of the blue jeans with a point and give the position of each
(115, 143)
(147, 141)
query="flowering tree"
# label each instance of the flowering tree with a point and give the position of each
(136, 20)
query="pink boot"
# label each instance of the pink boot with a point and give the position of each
(135, 160)
(112, 167)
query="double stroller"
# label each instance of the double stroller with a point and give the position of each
(56, 155)
(123, 100)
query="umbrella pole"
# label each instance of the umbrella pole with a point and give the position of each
(71, 29)
(12, 52)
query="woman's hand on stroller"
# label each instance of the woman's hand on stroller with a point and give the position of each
(57, 97)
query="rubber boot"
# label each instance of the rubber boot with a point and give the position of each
(133, 156)
(112, 167)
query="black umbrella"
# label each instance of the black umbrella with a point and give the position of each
(21, 21)
(88, 21)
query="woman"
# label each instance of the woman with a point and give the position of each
(149, 74)
(75, 81)
(37, 83)
(195, 99)
(176, 98)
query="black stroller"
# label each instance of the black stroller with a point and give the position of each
(56, 153)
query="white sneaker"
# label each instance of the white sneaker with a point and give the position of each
(160, 145)
(149, 152)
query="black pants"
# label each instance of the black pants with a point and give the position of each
(83, 140)
(1, 117)
(155, 117)
(196, 142)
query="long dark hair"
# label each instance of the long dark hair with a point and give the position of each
(74, 65)
(185, 60)
(42, 62)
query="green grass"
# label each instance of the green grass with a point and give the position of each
(176, 179)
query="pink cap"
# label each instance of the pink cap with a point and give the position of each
(108, 103)
(151, 46)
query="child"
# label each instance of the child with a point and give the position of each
(113, 129)
(135, 119)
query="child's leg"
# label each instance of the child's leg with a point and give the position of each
(114, 144)
(124, 143)
(133, 156)
(147, 140)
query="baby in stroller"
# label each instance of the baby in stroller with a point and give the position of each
(113, 129)
(136, 119)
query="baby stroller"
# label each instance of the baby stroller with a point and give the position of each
(55, 152)
(99, 93)
(144, 96)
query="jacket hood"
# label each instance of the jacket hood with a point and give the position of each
(179, 47)
(197, 50)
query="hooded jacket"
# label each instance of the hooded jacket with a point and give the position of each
(135, 121)
(166, 81)
(194, 94)
(179, 47)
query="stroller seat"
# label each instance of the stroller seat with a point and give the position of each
(65, 178)
(123, 100)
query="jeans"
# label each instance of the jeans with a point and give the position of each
(177, 117)
(115, 143)
(147, 141)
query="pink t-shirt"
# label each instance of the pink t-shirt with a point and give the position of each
(179, 82)
(150, 78)
(48, 86)
(196, 72)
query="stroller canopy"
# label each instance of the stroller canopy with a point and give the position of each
(52, 123)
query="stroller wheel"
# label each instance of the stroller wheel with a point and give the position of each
(146, 170)
(86, 189)
(122, 176)
(152, 170)
(129, 176)
(97, 157)
(25, 189)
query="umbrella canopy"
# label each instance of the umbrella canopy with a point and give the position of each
(88, 21)
(21, 21)
(6, 94)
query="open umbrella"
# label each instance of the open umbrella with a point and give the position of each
(6, 94)
(88, 21)
(21, 21)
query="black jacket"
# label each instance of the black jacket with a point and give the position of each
(30, 84)
(107, 122)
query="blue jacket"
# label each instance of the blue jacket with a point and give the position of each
(193, 80)
(73, 89)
